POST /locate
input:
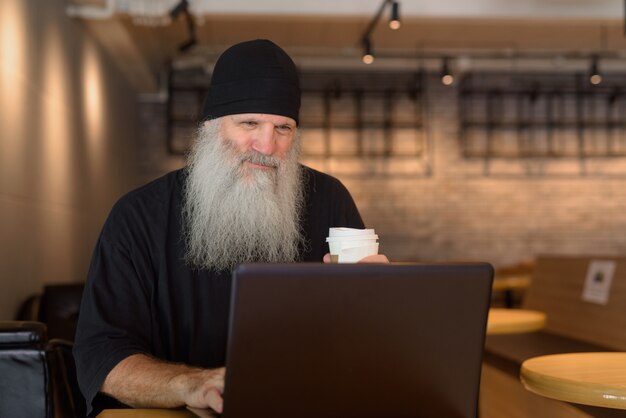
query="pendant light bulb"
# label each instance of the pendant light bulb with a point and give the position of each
(394, 21)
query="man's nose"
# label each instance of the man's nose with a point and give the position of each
(265, 141)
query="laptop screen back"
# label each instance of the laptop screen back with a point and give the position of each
(360, 340)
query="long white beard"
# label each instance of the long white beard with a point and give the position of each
(234, 214)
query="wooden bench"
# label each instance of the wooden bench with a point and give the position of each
(573, 325)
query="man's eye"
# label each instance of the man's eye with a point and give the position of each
(284, 128)
(249, 123)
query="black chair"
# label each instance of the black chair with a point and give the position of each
(38, 377)
(58, 309)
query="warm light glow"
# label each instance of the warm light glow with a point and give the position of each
(447, 80)
(595, 79)
(12, 43)
(56, 134)
(14, 83)
(92, 96)
(94, 108)
(395, 24)
(368, 58)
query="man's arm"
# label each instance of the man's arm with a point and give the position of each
(142, 381)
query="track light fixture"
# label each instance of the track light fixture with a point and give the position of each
(183, 7)
(447, 79)
(394, 23)
(595, 77)
(179, 8)
(368, 56)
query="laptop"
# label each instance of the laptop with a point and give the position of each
(356, 340)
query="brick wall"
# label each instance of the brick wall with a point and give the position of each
(449, 207)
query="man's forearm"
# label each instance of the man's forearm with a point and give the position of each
(142, 381)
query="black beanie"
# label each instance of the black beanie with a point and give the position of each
(253, 77)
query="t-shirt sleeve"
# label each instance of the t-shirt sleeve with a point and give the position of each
(329, 205)
(350, 214)
(114, 320)
(345, 212)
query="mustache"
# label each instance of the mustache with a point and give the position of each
(261, 159)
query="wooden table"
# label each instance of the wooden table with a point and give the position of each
(597, 379)
(146, 413)
(509, 286)
(511, 283)
(514, 321)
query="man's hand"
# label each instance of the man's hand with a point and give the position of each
(142, 381)
(376, 258)
(202, 388)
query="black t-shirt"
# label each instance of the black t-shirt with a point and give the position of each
(141, 297)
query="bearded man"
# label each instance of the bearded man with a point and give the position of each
(153, 322)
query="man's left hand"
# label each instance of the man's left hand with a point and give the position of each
(376, 258)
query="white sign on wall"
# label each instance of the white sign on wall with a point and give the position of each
(598, 282)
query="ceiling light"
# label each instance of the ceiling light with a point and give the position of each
(595, 77)
(394, 22)
(368, 56)
(447, 79)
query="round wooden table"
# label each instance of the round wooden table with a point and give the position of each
(146, 413)
(514, 321)
(597, 379)
(511, 283)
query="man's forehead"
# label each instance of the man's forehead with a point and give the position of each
(275, 119)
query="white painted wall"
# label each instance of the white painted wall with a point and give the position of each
(67, 126)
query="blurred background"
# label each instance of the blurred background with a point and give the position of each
(488, 130)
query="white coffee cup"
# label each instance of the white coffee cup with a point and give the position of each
(350, 232)
(349, 245)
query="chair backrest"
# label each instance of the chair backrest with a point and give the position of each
(24, 386)
(68, 400)
(557, 289)
(59, 308)
(38, 377)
